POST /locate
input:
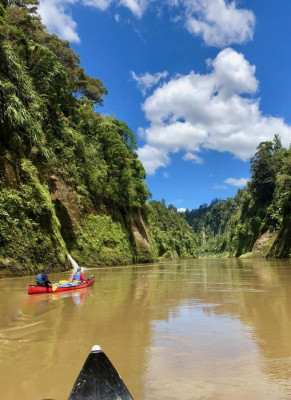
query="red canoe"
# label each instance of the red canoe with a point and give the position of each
(34, 289)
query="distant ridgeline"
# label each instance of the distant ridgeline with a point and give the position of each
(70, 179)
(257, 221)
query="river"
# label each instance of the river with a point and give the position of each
(192, 329)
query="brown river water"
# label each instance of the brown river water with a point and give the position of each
(192, 329)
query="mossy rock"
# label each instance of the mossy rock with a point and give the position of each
(12, 267)
(170, 255)
(251, 254)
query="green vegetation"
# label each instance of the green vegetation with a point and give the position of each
(70, 178)
(29, 229)
(215, 225)
(173, 238)
(102, 241)
(233, 226)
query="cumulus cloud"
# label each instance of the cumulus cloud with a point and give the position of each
(153, 158)
(146, 81)
(181, 210)
(216, 111)
(56, 16)
(218, 22)
(236, 182)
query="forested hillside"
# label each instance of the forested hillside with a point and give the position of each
(172, 236)
(70, 178)
(214, 225)
(258, 218)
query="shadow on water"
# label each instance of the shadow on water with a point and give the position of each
(44, 301)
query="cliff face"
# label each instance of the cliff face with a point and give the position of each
(70, 178)
(262, 246)
(45, 221)
(141, 240)
(43, 218)
(257, 221)
(30, 236)
(97, 236)
(281, 246)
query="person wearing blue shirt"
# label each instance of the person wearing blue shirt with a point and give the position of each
(78, 275)
(43, 280)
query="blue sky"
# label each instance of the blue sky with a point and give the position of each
(200, 82)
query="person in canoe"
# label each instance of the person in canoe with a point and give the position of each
(43, 280)
(78, 275)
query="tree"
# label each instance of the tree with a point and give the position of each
(263, 172)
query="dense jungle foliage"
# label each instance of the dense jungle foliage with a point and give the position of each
(232, 226)
(70, 178)
(173, 237)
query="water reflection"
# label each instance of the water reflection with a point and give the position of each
(195, 329)
(43, 301)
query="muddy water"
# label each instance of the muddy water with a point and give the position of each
(194, 329)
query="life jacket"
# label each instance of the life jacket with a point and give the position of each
(77, 276)
(39, 278)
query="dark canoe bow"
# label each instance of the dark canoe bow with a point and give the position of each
(99, 380)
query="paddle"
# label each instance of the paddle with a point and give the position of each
(54, 288)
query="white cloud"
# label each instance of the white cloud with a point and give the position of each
(181, 210)
(175, 135)
(146, 81)
(219, 22)
(137, 7)
(153, 158)
(56, 16)
(101, 4)
(236, 182)
(214, 111)
(166, 175)
(193, 157)
(233, 73)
